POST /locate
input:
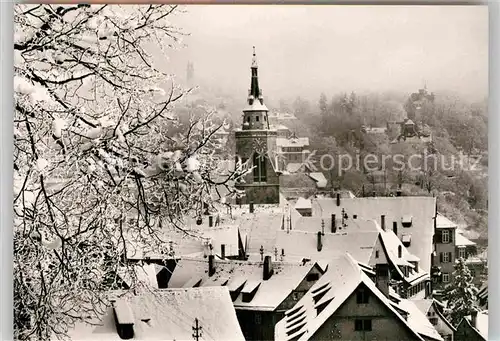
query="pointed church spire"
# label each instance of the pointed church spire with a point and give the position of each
(255, 92)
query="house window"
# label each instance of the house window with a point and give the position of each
(256, 118)
(446, 278)
(461, 253)
(446, 257)
(433, 321)
(362, 325)
(376, 254)
(395, 227)
(362, 296)
(248, 119)
(473, 272)
(259, 172)
(258, 318)
(400, 251)
(446, 236)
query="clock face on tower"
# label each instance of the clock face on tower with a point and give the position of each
(260, 147)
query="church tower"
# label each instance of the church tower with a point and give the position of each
(256, 147)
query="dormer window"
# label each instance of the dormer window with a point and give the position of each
(406, 221)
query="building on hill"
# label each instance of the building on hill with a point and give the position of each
(292, 149)
(433, 309)
(256, 144)
(409, 131)
(417, 102)
(165, 315)
(473, 328)
(261, 291)
(346, 304)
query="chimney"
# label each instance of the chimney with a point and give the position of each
(223, 251)
(382, 278)
(268, 268)
(124, 319)
(473, 318)
(338, 199)
(382, 221)
(334, 223)
(211, 265)
(251, 207)
(320, 242)
(210, 221)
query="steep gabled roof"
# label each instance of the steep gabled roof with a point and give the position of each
(330, 292)
(481, 324)
(246, 276)
(169, 314)
(442, 222)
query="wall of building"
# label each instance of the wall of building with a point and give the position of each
(385, 324)
(258, 325)
(441, 249)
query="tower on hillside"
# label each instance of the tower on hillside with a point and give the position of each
(256, 146)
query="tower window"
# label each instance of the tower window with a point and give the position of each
(259, 171)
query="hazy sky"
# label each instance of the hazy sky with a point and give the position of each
(306, 50)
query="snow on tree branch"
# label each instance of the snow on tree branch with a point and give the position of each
(99, 155)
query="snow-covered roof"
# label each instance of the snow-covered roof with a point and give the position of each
(256, 106)
(294, 167)
(169, 314)
(481, 323)
(418, 321)
(196, 240)
(145, 274)
(303, 203)
(320, 179)
(461, 240)
(339, 282)
(422, 210)
(292, 142)
(304, 244)
(423, 305)
(392, 245)
(269, 293)
(444, 223)
(313, 224)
